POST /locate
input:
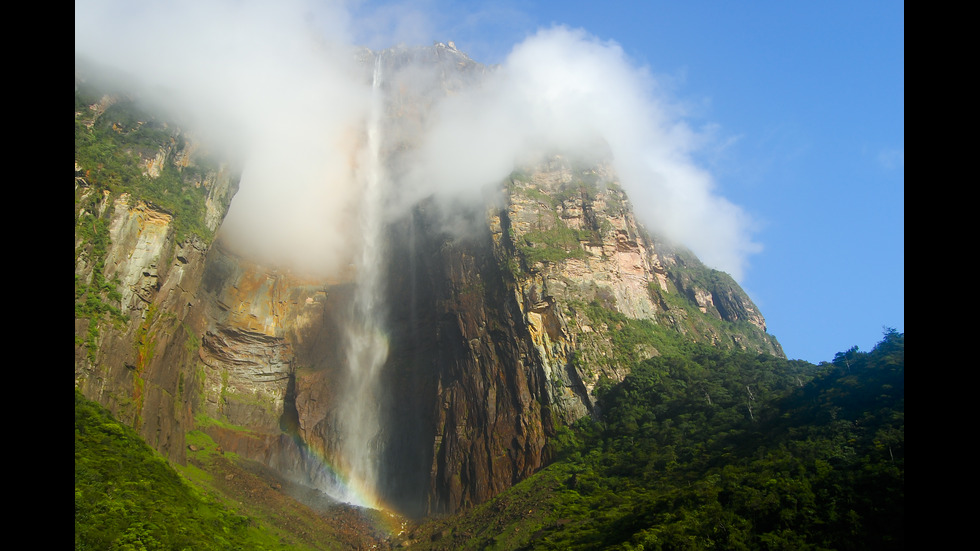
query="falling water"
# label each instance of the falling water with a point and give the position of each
(359, 420)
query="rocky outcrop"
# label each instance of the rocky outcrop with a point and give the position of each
(569, 238)
(142, 237)
(604, 258)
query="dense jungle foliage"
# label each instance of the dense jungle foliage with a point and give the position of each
(718, 450)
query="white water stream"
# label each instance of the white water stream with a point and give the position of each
(359, 421)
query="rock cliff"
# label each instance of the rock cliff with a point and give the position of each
(499, 331)
(137, 267)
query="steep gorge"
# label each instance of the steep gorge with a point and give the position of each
(502, 317)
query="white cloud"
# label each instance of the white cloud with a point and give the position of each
(277, 83)
(282, 79)
(564, 90)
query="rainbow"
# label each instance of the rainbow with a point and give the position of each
(331, 477)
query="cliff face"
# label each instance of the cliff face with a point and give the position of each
(577, 254)
(501, 331)
(136, 281)
(498, 332)
(465, 381)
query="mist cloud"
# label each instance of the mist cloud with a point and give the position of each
(564, 90)
(282, 81)
(276, 84)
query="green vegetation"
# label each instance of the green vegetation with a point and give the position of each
(554, 241)
(518, 175)
(634, 340)
(203, 421)
(127, 497)
(551, 245)
(681, 311)
(630, 336)
(192, 344)
(98, 299)
(109, 148)
(586, 187)
(719, 450)
(538, 195)
(684, 316)
(145, 348)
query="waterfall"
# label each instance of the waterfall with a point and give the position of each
(359, 417)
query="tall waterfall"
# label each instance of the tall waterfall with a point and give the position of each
(359, 416)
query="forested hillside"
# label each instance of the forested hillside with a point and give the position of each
(718, 450)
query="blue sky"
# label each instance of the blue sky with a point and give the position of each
(805, 102)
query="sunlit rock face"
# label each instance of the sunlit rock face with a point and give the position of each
(269, 360)
(133, 363)
(486, 317)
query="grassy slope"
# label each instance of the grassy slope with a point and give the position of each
(128, 497)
